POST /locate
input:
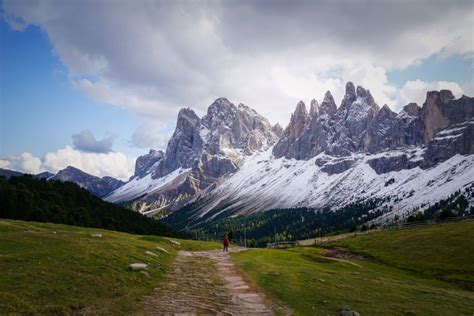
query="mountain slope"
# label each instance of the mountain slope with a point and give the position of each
(232, 161)
(201, 152)
(27, 198)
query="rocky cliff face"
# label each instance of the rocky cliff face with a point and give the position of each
(144, 163)
(360, 125)
(233, 160)
(97, 186)
(199, 154)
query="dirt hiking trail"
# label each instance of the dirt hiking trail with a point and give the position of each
(208, 283)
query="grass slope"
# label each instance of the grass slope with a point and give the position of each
(50, 268)
(443, 251)
(312, 284)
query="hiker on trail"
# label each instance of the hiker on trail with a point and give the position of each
(226, 243)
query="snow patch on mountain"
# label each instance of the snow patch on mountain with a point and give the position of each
(140, 186)
(257, 186)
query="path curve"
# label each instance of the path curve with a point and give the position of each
(208, 282)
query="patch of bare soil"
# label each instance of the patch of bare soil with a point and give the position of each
(343, 253)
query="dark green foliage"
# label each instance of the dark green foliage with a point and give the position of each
(417, 217)
(455, 205)
(289, 224)
(30, 199)
(389, 182)
(230, 235)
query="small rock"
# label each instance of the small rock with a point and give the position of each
(151, 253)
(161, 249)
(145, 273)
(97, 235)
(54, 232)
(322, 280)
(348, 313)
(175, 242)
(138, 266)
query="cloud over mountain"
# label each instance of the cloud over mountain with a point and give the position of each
(153, 57)
(114, 164)
(87, 142)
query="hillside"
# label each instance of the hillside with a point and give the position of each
(59, 269)
(27, 198)
(302, 223)
(419, 271)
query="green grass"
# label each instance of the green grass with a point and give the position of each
(50, 268)
(312, 284)
(444, 251)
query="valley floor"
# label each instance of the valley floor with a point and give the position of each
(60, 269)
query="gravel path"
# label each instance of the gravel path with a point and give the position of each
(207, 282)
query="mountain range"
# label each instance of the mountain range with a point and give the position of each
(234, 161)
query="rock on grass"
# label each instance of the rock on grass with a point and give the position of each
(138, 266)
(162, 249)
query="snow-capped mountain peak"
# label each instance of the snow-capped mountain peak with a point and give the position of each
(233, 160)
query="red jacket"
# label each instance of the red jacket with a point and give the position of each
(226, 241)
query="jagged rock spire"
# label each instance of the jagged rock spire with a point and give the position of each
(347, 101)
(314, 109)
(277, 129)
(328, 106)
(386, 111)
(298, 120)
(412, 109)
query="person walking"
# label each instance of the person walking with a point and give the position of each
(226, 244)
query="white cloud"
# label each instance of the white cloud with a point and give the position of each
(5, 164)
(114, 164)
(468, 88)
(415, 91)
(151, 134)
(26, 162)
(154, 57)
(30, 163)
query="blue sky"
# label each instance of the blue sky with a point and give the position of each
(457, 68)
(40, 109)
(118, 75)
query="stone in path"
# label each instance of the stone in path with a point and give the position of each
(207, 282)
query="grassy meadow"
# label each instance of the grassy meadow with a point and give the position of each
(418, 271)
(57, 269)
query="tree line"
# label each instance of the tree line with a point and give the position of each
(29, 199)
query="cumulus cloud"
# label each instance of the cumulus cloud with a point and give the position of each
(5, 164)
(86, 141)
(153, 57)
(114, 164)
(26, 163)
(415, 91)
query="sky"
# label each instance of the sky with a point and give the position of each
(94, 84)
